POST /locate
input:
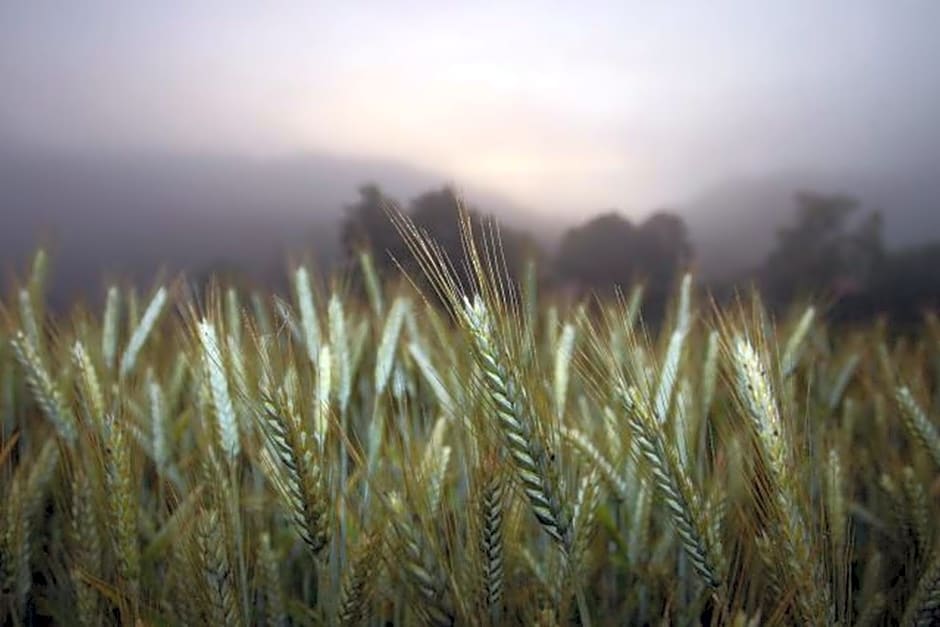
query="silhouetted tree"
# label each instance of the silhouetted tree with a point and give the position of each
(906, 285)
(600, 253)
(609, 251)
(436, 211)
(663, 252)
(366, 224)
(823, 251)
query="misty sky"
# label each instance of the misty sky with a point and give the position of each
(574, 106)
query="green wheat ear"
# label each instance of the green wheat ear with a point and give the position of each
(291, 461)
(89, 384)
(86, 549)
(44, 389)
(920, 428)
(528, 451)
(360, 579)
(142, 331)
(273, 593)
(15, 573)
(491, 539)
(123, 505)
(223, 408)
(675, 489)
(308, 313)
(110, 322)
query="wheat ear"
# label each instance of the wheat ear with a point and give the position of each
(794, 346)
(492, 505)
(86, 544)
(373, 285)
(923, 608)
(44, 389)
(563, 354)
(920, 428)
(308, 313)
(525, 444)
(122, 504)
(109, 326)
(812, 596)
(274, 612)
(674, 487)
(142, 331)
(292, 466)
(420, 569)
(359, 579)
(222, 406)
(217, 573)
(15, 575)
(583, 524)
(90, 385)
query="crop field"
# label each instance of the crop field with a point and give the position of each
(466, 451)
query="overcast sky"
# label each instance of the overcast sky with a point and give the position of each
(575, 105)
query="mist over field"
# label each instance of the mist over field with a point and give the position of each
(134, 214)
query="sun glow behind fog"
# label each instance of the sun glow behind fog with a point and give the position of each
(456, 129)
(556, 106)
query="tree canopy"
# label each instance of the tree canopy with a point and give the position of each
(608, 251)
(436, 211)
(826, 250)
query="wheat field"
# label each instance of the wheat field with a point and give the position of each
(468, 453)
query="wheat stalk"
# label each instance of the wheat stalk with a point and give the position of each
(788, 524)
(583, 444)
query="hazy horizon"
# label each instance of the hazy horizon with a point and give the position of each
(196, 135)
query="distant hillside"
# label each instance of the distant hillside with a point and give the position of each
(130, 216)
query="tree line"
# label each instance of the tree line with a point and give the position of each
(830, 249)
